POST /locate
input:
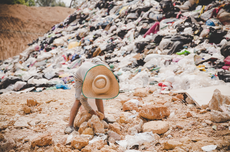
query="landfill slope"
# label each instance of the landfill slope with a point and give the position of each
(20, 25)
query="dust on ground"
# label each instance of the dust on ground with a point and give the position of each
(20, 25)
(189, 126)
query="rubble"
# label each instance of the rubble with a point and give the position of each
(218, 100)
(152, 112)
(26, 109)
(129, 106)
(31, 102)
(96, 124)
(159, 127)
(43, 140)
(115, 127)
(171, 144)
(79, 143)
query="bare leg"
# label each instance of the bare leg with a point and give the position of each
(74, 111)
(100, 106)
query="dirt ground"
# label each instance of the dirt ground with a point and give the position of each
(20, 25)
(189, 126)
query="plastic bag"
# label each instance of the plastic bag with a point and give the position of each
(209, 147)
(18, 85)
(137, 139)
(62, 86)
(74, 44)
(49, 74)
(59, 42)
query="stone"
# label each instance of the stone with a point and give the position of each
(21, 123)
(101, 115)
(107, 150)
(82, 127)
(140, 92)
(106, 126)
(185, 140)
(203, 111)
(123, 98)
(87, 148)
(161, 102)
(82, 117)
(179, 126)
(159, 127)
(114, 135)
(122, 119)
(178, 149)
(152, 89)
(218, 100)
(110, 118)
(63, 140)
(7, 145)
(2, 138)
(152, 112)
(129, 106)
(52, 100)
(208, 122)
(79, 143)
(43, 140)
(180, 96)
(3, 125)
(189, 100)
(136, 128)
(115, 127)
(217, 116)
(97, 145)
(189, 114)
(31, 102)
(96, 124)
(88, 131)
(171, 144)
(175, 99)
(26, 109)
(56, 149)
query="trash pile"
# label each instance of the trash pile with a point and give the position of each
(160, 50)
(173, 44)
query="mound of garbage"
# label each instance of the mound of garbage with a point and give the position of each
(145, 42)
(155, 48)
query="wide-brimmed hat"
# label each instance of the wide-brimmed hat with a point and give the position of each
(100, 83)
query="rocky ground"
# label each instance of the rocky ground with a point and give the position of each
(36, 121)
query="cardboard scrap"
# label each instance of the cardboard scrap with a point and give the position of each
(202, 96)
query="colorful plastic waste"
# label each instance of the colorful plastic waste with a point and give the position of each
(176, 43)
(62, 86)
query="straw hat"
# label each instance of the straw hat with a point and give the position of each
(100, 83)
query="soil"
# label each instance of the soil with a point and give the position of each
(51, 116)
(20, 25)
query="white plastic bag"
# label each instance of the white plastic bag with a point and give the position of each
(137, 139)
(18, 85)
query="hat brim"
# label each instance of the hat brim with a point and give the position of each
(100, 69)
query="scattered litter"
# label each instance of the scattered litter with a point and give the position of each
(209, 147)
(137, 139)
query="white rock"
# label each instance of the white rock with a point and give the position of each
(158, 127)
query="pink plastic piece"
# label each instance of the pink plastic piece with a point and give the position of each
(154, 29)
(227, 60)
